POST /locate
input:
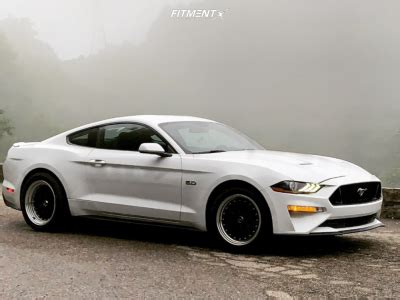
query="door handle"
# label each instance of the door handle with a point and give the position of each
(97, 162)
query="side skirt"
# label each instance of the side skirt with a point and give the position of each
(139, 220)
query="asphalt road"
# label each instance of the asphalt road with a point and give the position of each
(98, 259)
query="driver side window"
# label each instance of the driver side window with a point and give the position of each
(127, 137)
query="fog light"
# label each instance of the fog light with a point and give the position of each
(306, 209)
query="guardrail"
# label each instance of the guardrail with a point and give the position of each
(391, 200)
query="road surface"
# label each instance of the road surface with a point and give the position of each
(98, 259)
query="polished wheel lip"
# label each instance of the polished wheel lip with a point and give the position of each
(30, 199)
(220, 226)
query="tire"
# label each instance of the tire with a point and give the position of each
(44, 203)
(239, 219)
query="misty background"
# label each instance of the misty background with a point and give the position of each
(320, 77)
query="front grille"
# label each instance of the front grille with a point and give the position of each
(356, 193)
(349, 222)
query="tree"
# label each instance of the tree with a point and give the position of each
(5, 127)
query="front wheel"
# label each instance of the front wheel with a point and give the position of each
(239, 219)
(43, 202)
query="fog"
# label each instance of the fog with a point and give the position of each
(318, 77)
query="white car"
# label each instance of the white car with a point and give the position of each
(190, 172)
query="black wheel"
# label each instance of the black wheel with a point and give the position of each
(44, 203)
(239, 219)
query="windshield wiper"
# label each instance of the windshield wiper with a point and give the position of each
(211, 151)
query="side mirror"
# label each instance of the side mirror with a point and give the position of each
(153, 148)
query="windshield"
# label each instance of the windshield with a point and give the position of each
(208, 137)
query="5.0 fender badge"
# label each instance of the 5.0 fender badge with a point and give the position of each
(191, 182)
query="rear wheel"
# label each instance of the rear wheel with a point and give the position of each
(239, 219)
(44, 203)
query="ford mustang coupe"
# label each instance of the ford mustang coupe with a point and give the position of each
(189, 172)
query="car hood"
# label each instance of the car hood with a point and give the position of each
(295, 166)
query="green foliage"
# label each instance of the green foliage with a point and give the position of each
(5, 127)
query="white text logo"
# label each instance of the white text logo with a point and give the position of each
(197, 13)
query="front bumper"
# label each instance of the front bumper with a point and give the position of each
(333, 231)
(320, 223)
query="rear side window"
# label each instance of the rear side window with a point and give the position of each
(87, 138)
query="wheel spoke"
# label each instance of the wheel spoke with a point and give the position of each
(40, 202)
(239, 219)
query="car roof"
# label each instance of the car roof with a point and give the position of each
(155, 119)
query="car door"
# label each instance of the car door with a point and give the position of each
(126, 183)
(80, 145)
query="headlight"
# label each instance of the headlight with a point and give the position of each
(296, 187)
